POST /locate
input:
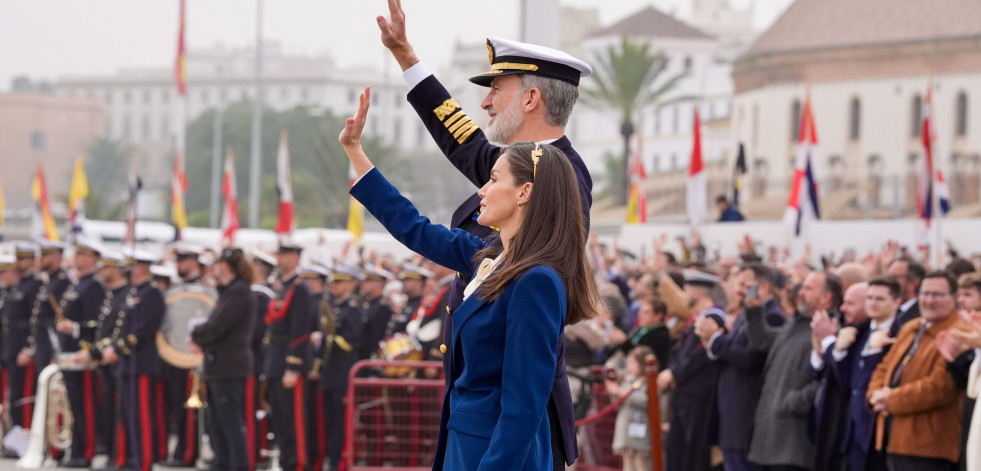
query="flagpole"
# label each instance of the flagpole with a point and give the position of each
(255, 167)
(216, 144)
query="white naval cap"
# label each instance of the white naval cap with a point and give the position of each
(51, 246)
(140, 256)
(314, 271)
(345, 272)
(84, 245)
(7, 261)
(259, 256)
(164, 271)
(512, 57)
(412, 272)
(24, 249)
(112, 259)
(698, 277)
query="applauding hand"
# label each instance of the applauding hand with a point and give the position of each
(350, 137)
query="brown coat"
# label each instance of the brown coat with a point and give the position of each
(926, 407)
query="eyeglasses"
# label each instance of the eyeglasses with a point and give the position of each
(934, 294)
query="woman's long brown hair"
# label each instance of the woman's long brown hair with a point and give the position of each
(552, 232)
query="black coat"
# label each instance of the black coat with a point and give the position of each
(226, 337)
(657, 338)
(16, 316)
(133, 337)
(82, 304)
(287, 338)
(43, 320)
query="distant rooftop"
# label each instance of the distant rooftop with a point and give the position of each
(830, 24)
(651, 22)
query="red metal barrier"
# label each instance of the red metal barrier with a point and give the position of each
(393, 423)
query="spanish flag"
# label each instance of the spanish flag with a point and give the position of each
(178, 185)
(76, 198)
(179, 63)
(43, 226)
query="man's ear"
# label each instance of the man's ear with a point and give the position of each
(531, 100)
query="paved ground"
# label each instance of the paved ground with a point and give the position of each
(10, 465)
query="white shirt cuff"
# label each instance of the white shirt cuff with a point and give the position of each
(816, 361)
(839, 356)
(415, 75)
(76, 330)
(708, 348)
(362, 176)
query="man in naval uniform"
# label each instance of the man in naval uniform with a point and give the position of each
(257, 427)
(288, 359)
(16, 318)
(133, 349)
(47, 307)
(177, 381)
(315, 277)
(112, 268)
(343, 326)
(414, 286)
(76, 332)
(532, 92)
(376, 308)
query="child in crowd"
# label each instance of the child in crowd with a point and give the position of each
(631, 436)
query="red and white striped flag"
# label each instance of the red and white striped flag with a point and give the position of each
(696, 188)
(802, 207)
(924, 178)
(284, 183)
(229, 217)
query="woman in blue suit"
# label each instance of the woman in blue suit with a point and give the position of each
(531, 279)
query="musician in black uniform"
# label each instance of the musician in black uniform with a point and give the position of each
(76, 332)
(133, 349)
(112, 268)
(315, 278)
(377, 310)
(414, 287)
(225, 340)
(344, 325)
(8, 278)
(177, 381)
(256, 387)
(532, 92)
(288, 359)
(47, 306)
(16, 318)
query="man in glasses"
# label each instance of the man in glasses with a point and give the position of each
(918, 406)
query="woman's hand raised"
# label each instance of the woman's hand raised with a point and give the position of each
(350, 137)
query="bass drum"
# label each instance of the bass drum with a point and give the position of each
(187, 306)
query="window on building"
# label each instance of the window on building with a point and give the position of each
(164, 96)
(688, 62)
(108, 97)
(164, 127)
(304, 94)
(204, 98)
(657, 163)
(398, 100)
(855, 120)
(284, 93)
(674, 121)
(352, 97)
(674, 162)
(795, 117)
(126, 97)
(126, 127)
(38, 141)
(917, 115)
(222, 94)
(146, 97)
(961, 124)
(396, 132)
(657, 121)
(146, 128)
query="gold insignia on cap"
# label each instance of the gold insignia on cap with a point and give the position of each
(490, 52)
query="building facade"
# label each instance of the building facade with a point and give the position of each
(868, 83)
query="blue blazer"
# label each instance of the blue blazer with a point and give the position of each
(502, 352)
(852, 375)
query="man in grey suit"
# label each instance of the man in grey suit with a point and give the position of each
(780, 440)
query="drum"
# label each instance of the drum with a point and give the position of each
(399, 347)
(187, 306)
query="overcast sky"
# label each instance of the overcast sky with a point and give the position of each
(51, 38)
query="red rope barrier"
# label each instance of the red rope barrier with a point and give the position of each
(612, 407)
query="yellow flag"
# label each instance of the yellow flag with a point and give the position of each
(355, 221)
(80, 186)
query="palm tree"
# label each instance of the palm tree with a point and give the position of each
(625, 80)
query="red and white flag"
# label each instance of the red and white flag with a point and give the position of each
(802, 207)
(924, 178)
(229, 217)
(284, 184)
(696, 188)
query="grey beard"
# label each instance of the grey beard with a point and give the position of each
(505, 125)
